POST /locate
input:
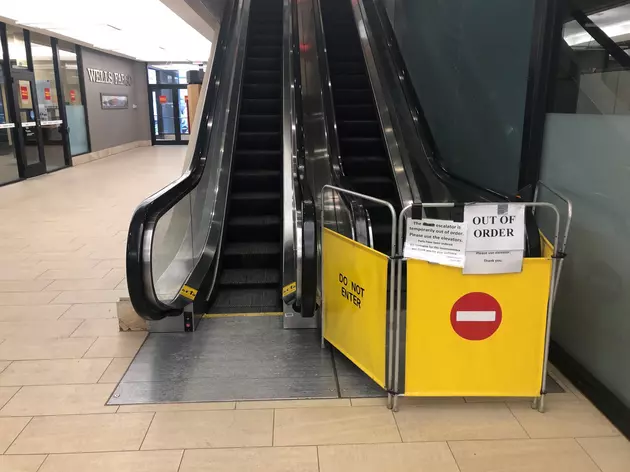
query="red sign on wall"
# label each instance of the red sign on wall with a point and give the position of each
(24, 92)
(476, 316)
(163, 99)
(47, 93)
(73, 96)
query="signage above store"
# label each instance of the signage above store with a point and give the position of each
(101, 76)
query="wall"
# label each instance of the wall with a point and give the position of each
(468, 61)
(109, 128)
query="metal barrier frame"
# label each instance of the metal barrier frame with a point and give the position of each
(392, 283)
(556, 266)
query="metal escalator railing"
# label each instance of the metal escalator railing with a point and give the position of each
(175, 236)
(166, 234)
(300, 229)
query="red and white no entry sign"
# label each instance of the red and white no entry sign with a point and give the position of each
(476, 316)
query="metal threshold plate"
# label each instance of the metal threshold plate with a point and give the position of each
(239, 358)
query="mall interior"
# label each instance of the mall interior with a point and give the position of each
(314, 236)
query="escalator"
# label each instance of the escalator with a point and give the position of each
(251, 269)
(365, 159)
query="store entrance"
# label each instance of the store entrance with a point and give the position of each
(170, 120)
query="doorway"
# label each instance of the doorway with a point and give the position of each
(170, 121)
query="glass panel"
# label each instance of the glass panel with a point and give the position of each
(585, 156)
(165, 115)
(171, 73)
(8, 160)
(184, 118)
(17, 47)
(47, 102)
(75, 109)
(29, 125)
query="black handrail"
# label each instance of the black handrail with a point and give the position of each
(423, 129)
(307, 301)
(154, 207)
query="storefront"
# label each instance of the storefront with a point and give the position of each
(42, 112)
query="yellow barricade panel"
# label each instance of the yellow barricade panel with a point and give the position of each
(475, 335)
(355, 302)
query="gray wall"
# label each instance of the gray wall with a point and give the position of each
(109, 128)
(468, 61)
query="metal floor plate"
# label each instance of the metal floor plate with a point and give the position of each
(239, 358)
(243, 358)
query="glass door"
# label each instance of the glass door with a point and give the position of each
(27, 123)
(169, 114)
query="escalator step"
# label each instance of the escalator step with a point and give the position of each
(361, 146)
(261, 106)
(263, 77)
(250, 277)
(267, 63)
(356, 67)
(252, 255)
(258, 160)
(375, 186)
(265, 51)
(367, 165)
(355, 112)
(235, 300)
(260, 203)
(259, 228)
(260, 122)
(262, 91)
(259, 140)
(353, 96)
(353, 81)
(359, 128)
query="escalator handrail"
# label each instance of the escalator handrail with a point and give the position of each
(305, 227)
(358, 213)
(423, 130)
(144, 220)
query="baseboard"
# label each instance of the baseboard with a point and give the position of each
(605, 400)
(96, 155)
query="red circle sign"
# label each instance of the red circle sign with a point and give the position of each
(476, 316)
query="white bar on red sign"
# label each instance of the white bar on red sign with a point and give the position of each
(476, 316)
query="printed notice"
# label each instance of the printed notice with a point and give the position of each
(439, 241)
(495, 239)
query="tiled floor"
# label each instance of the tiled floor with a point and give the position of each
(61, 272)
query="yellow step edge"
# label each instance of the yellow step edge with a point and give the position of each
(234, 315)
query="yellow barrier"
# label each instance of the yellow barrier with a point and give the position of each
(481, 335)
(355, 302)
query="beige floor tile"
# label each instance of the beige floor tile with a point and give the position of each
(527, 455)
(121, 345)
(90, 311)
(59, 348)
(417, 457)
(82, 433)
(19, 273)
(406, 401)
(62, 274)
(563, 420)
(458, 422)
(157, 407)
(90, 296)
(6, 393)
(4, 365)
(60, 400)
(27, 298)
(106, 283)
(54, 372)
(351, 425)
(261, 405)
(9, 430)
(37, 330)
(610, 454)
(97, 327)
(115, 370)
(21, 463)
(205, 429)
(111, 264)
(277, 459)
(67, 263)
(23, 286)
(150, 461)
(32, 313)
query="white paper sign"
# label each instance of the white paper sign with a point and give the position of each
(493, 262)
(439, 241)
(495, 238)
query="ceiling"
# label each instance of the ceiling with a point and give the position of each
(146, 30)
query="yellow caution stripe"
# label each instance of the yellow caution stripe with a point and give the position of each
(289, 289)
(188, 292)
(234, 315)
